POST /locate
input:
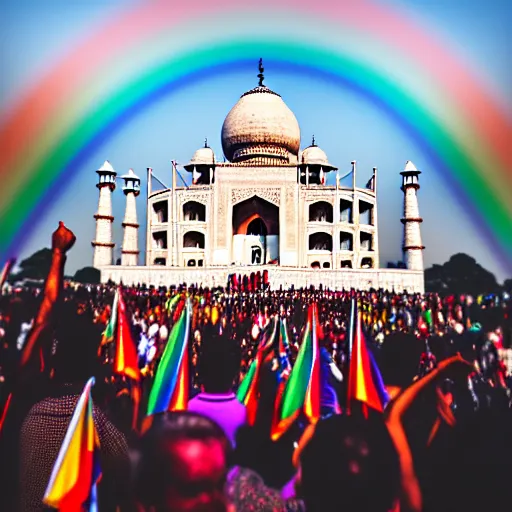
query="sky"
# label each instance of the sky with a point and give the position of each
(35, 35)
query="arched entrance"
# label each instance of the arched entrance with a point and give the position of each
(255, 232)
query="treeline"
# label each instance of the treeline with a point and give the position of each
(461, 274)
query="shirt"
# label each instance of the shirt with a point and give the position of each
(224, 409)
(246, 490)
(42, 434)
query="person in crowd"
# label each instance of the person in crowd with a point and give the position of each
(430, 405)
(27, 375)
(44, 428)
(350, 463)
(219, 361)
(262, 477)
(181, 466)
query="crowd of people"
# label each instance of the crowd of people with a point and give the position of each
(441, 443)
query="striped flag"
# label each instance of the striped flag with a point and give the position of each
(284, 351)
(365, 382)
(170, 388)
(302, 389)
(283, 371)
(72, 485)
(126, 360)
(110, 331)
(248, 391)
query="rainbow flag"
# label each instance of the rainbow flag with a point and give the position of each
(302, 390)
(284, 368)
(248, 391)
(126, 359)
(284, 350)
(109, 332)
(170, 388)
(365, 382)
(72, 485)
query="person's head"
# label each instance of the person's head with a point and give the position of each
(272, 460)
(75, 359)
(219, 362)
(350, 464)
(182, 465)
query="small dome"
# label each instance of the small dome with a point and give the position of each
(262, 128)
(410, 167)
(106, 168)
(203, 156)
(313, 155)
(130, 175)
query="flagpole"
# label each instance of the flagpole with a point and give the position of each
(349, 358)
(376, 263)
(355, 216)
(148, 216)
(351, 327)
(174, 255)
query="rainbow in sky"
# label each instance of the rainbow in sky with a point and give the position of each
(153, 48)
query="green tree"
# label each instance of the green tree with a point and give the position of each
(36, 266)
(88, 275)
(461, 274)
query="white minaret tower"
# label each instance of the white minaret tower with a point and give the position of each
(412, 248)
(103, 244)
(130, 251)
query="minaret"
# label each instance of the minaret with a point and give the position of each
(130, 251)
(412, 248)
(103, 244)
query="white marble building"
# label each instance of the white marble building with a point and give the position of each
(268, 207)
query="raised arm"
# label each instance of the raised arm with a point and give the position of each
(410, 485)
(62, 240)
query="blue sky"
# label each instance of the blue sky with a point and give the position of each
(33, 35)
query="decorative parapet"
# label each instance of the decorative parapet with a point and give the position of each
(272, 195)
(199, 196)
(344, 279)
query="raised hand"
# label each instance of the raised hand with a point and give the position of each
(63, 238)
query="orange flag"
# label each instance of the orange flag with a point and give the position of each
(126, 361)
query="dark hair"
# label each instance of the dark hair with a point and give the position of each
(272, 460)
(402, 347)
(350, 464)
(156, 469)
(219, 361)
(75, 359)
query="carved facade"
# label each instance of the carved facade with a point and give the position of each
(271, 204)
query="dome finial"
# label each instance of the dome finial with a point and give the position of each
(313, 141)
(261, 76)
(206, 142)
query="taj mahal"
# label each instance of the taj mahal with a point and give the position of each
(266, 207)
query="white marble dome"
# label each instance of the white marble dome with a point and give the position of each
(261, 127)
(313, 155)
(203, 156)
